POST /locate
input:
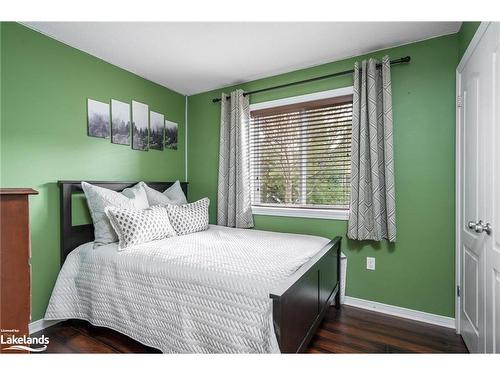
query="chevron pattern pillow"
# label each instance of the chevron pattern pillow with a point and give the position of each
(135, 227)
(189, 218)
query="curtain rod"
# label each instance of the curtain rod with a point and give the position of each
(402, 60)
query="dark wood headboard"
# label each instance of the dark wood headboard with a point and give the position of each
(76, 235)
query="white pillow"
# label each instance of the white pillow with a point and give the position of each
(176, 194)
(173, 195)
(189, 218)
(98, 199)
(138, 194)
(135, 227)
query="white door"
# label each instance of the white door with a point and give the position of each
(492, 125)
(479, 191)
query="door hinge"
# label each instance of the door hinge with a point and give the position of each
(459, 101)
(458, 290)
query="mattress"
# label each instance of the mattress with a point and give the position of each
(206, 292)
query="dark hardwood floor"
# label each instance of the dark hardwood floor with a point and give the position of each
(348, 330)
(353, 330)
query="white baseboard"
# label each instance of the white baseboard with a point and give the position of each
(401, 312)
(38, 325)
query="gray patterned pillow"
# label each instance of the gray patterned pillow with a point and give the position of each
(135, 227)
(189, 218)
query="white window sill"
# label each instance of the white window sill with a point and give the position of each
(315, 213)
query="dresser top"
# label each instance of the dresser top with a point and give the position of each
(17, 191)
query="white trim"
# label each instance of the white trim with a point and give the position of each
(473, 44)
(458, 176)
(402, 312)
(186, 136)
(38, 325)
(303, 98)
(315, 213)
(458, 166)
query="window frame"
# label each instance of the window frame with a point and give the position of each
(317, 213)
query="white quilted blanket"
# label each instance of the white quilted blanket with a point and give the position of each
(206, 292)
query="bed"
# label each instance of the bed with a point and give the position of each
(223, 290)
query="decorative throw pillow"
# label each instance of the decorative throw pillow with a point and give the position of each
(135, 227)
(189, 218)
(173, 195)
(98, 199)
(138, 194)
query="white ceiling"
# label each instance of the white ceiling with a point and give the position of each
(195, 57)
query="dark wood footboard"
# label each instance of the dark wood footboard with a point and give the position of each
(300, 303)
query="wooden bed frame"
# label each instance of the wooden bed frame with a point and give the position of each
(299, 303)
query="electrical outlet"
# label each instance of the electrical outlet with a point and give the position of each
(370, 263)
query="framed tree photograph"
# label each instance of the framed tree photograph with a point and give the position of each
(97, 119)
(140, 126)
(156, 130)
(171, 132)
(120, 122)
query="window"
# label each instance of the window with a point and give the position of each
(300, 152)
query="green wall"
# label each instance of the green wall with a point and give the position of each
(465, 35)
(418, 271)
(45, 85)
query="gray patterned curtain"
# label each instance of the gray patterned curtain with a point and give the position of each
(373, 211)
(233, 197)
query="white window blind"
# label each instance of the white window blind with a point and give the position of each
(300, 154)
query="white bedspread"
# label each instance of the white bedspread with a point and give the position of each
(206, 292)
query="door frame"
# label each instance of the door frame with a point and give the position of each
(458, 165)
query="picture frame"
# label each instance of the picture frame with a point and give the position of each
(140, 126)
(97, 119)
(156, 131)
(120, 122)
(171, 134)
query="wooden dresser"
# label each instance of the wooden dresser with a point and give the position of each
(15, 276)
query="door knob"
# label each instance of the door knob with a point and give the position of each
(481, 227)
